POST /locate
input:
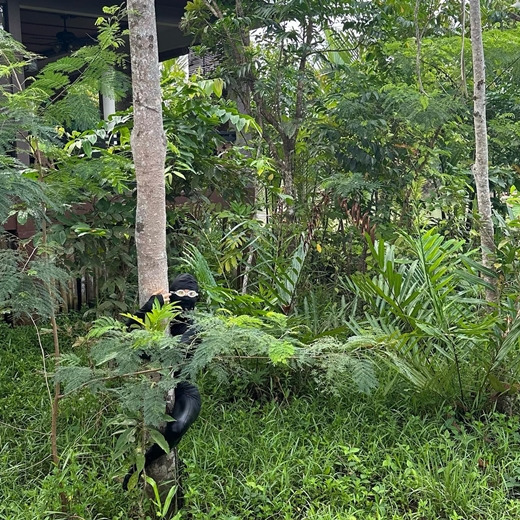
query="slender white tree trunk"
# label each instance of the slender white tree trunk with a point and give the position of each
(480, 168)
(463, 82)
(148, 149)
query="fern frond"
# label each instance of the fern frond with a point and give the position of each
(279, 273)
(362, 374)
(18, 192)
(74, 377)
(105, 325)
(9, 276)
(29, 290)
(65, 65)
(13, 55)
(153, 405)
(51, 80)
(280, 352)
(78, 110)
(199, 267)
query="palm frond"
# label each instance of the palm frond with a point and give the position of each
(429, 330)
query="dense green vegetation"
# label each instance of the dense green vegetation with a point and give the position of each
(357, 360)
(311, 456)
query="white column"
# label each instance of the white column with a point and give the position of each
(109, 107)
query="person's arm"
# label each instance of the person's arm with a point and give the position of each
(189, 335)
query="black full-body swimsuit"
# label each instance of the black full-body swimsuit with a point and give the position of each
(187, 403)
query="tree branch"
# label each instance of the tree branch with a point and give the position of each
(110, 378)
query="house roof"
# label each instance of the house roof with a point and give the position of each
(43, 21)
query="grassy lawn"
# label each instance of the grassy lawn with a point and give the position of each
(312, 457)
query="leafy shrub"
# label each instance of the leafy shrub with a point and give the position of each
(424, 315)
(313, 457)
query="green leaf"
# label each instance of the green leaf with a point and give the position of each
(151, 482)
(22, 217)
(212, 86)
(132, 481)
(124, 442)
(87, 148)
(168, 501)
(139, 462)
(61, 237)
(159, 439)
(280, 352)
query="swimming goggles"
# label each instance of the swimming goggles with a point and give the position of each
(184, 292)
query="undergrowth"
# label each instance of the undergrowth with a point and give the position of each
(311, 456)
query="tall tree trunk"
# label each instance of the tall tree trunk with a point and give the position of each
(418, 42)
(480, 168)
(148, 149)
(149, 153)
(463, 82)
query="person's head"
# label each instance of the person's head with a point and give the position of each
(184, 290)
